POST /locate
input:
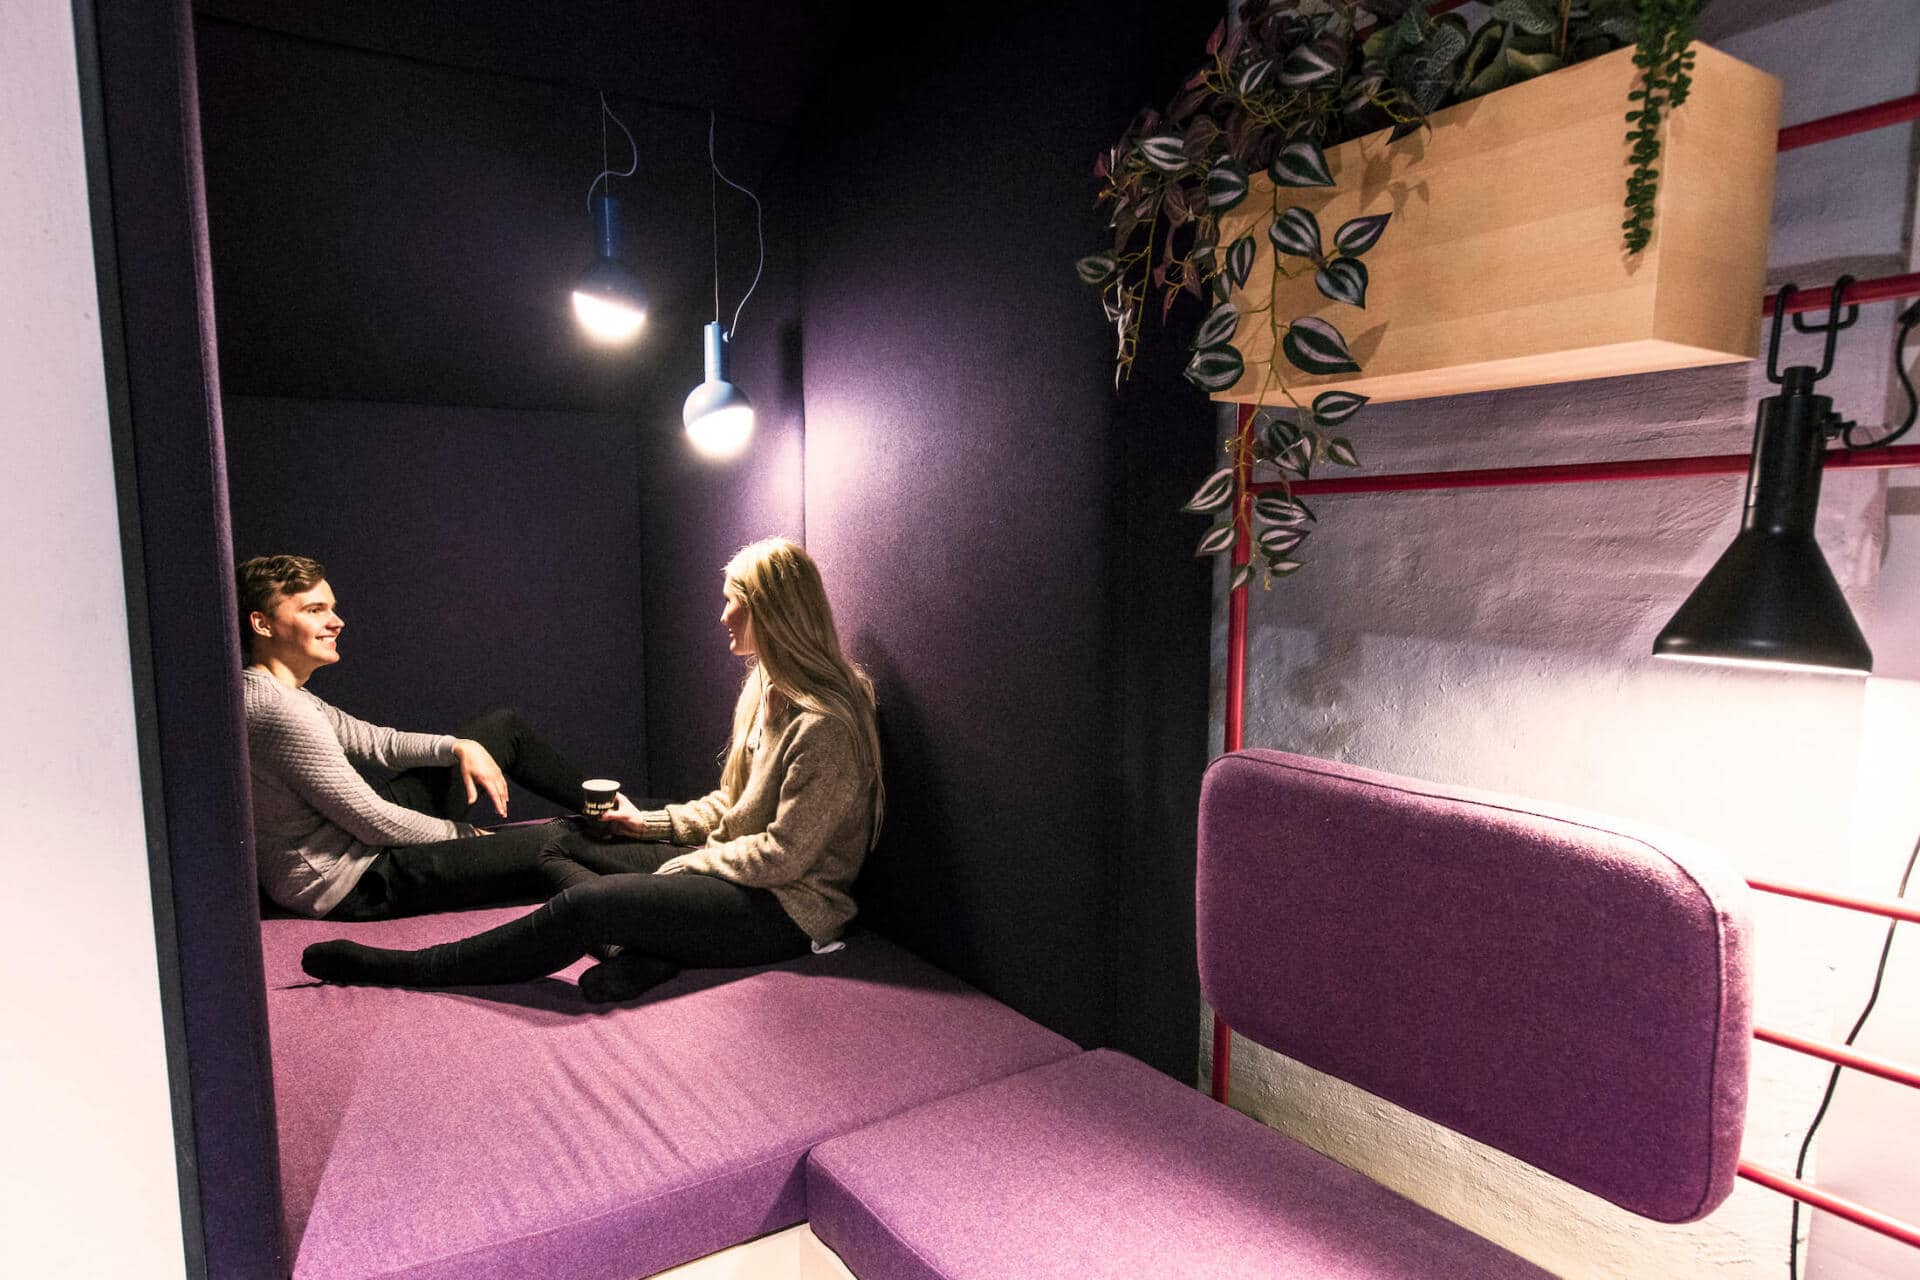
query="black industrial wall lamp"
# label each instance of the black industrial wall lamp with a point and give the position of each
(1770, 599)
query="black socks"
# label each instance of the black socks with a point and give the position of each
(624, 977)
(350, 963)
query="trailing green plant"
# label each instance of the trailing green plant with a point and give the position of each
(1290, 79)
(1665, 58)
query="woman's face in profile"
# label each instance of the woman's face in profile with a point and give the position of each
(739, 626)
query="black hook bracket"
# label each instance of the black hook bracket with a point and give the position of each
(1836, 320)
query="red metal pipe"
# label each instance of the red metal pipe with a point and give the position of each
(1885, 1068)
(1237, 600)
(1585, 472)
(1892, 908)
(1236, 677)
(1882, 289)
(1827, 128)
(1807, 1193)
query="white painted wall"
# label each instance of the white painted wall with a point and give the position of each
(87, 1180)
(1500, 639)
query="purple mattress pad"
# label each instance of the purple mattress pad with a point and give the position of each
(515, 1131)
(1099, 1167)
(1553, 984)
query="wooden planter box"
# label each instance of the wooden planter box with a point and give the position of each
(1503, 265)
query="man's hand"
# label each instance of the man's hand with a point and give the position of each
(480, 773)
(624, 817)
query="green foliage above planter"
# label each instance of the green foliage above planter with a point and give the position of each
(1289, 80)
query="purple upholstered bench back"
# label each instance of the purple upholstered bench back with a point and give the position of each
(1552, 986)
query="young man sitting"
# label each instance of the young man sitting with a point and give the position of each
(330, 844)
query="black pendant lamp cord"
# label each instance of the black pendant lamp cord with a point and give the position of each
(605, 172)
(1909, 320)
(1833, 1077)
(759, 230)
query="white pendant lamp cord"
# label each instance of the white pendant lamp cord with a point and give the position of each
(759, 232)
(605, 172)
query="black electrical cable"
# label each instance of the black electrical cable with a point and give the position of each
(1833, 1077)
(1909, 319)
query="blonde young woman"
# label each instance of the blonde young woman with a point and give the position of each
(778, 844)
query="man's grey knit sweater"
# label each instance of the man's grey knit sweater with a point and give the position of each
(316, 822)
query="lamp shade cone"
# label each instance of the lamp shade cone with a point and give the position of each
(1769, 599)
(607, 297)
(718, 415)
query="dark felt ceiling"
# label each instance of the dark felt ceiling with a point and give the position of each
(750, 59)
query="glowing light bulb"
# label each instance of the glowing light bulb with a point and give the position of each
(722, 433)
(606, 320)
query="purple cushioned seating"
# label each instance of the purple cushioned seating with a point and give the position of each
(1100, 1167)
(515, 1132)
(1550, 984)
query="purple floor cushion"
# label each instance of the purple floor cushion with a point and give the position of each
(1098, 1166)
(518, 1132)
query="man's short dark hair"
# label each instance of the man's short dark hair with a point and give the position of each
(264, 579)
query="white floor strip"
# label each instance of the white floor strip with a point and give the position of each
(793, 1254)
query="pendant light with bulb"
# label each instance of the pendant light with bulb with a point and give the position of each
(607, 298)
(718, 415)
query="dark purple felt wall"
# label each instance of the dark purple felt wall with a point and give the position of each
(999, 531)
(513, 513)
(461, 589)
(150, 242)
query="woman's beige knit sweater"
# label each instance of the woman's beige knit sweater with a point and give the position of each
(799, 828)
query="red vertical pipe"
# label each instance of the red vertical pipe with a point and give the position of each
(1236, 672)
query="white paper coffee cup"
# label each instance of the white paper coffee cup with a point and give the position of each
(597, 796)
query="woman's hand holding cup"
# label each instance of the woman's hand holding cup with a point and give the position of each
(623, 818)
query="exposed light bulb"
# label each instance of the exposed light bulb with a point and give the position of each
(605, 320)
(722, 433)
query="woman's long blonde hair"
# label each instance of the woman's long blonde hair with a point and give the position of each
(797, 659)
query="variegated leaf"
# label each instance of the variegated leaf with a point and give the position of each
(1296, 232)
(1274, 509)
(1331, 408)
(1341, 451)
(1254, 75)
(1277, 541)
(1360, 91)
(1240, 261)
(1212, 495)
(1215, 368)
(1277, 435)
(1097, 269)
(1528, 15)
(1343, 280)
(1217, 539)
(1281, 568)
(1306, 66)
(1300, 164)
(1166, 152)
(1296, 456)
(1218, 327)
(1358, 235)
(1314, 346)
(1226, 184)
(1241, 572)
